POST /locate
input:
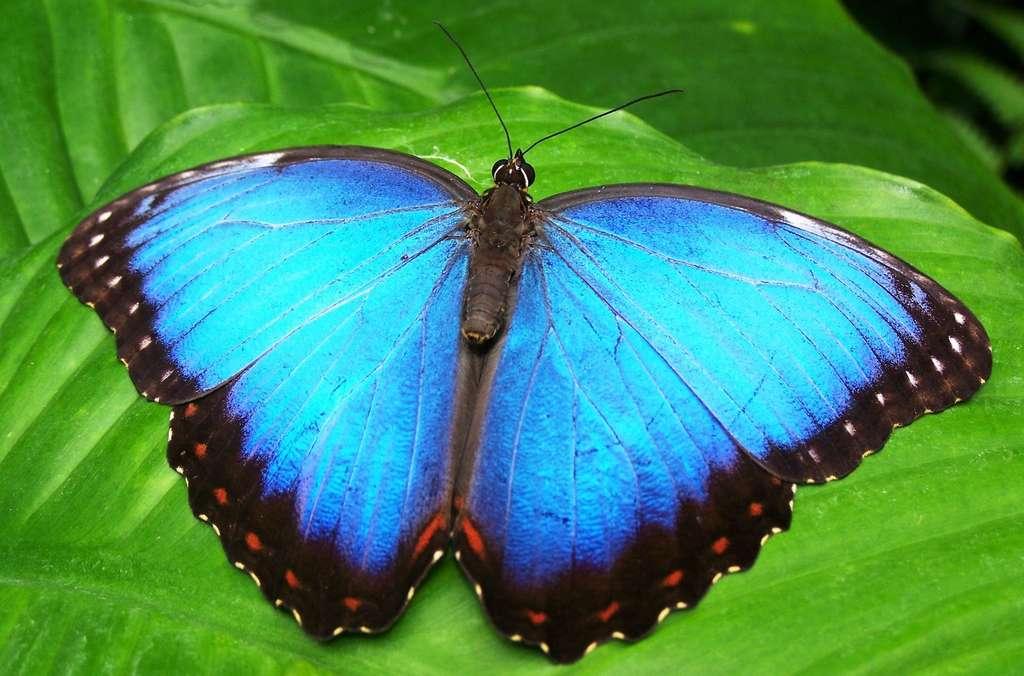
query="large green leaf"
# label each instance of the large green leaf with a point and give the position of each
(767, 82)
(913, 562)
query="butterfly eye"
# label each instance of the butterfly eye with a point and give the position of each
(498, 166)
(528, 173)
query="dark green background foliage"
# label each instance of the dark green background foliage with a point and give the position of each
(914, 562)
(969, 58)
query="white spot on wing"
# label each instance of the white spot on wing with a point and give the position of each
(880, 397)
(103, 217)
(955, 344)
(801, 221)
(145, 342)
(937, 364)
(133, 309)
(100, 261)
(911, 378)
(850, 429)
(267, 159)
(96, 239)
(960, 319)
(114, 281)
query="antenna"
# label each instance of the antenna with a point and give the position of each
(607, 112)
(508, 139)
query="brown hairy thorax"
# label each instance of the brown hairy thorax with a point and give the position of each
(500, 232)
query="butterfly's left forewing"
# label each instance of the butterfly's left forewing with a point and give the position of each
(200, 273)
(300, 308)
(676, 361)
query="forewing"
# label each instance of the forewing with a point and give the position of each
(201, 273)
(806, 342)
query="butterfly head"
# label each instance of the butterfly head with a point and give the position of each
(516, 171)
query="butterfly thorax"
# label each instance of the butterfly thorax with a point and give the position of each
(499, 232)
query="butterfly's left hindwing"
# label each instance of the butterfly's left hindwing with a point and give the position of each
(677, 360)
(325, 465)
(298, 307)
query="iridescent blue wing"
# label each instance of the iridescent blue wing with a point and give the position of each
(300, 308)
(200, 273)
(677, 360)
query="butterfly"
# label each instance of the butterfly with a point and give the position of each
(602, 401)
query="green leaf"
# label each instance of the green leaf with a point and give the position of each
(912, 563)
(975, 139)
(1006, 22)
(766, 83)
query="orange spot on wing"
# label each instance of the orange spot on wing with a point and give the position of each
(290, 579)
(424, 539)
(221, 496)
(352, 603)
(756, 509)
(776, 481)
(607, 613)
(253, 542)
(200, 450)
(536, 617)
(672, 579)
(720, 545)
(476, 543)
(191, 410)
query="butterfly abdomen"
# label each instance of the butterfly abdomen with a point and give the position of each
(498, 231)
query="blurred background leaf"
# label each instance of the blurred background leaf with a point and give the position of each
(914, 562)
(767, 83)
(968, 56)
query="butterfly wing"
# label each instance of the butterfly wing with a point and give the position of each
(200, 273)
(302, 306)
(676, 361)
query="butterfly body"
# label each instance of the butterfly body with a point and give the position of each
(500, 232)
(602, 402)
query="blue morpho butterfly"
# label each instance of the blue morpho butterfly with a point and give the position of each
(603, 401)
